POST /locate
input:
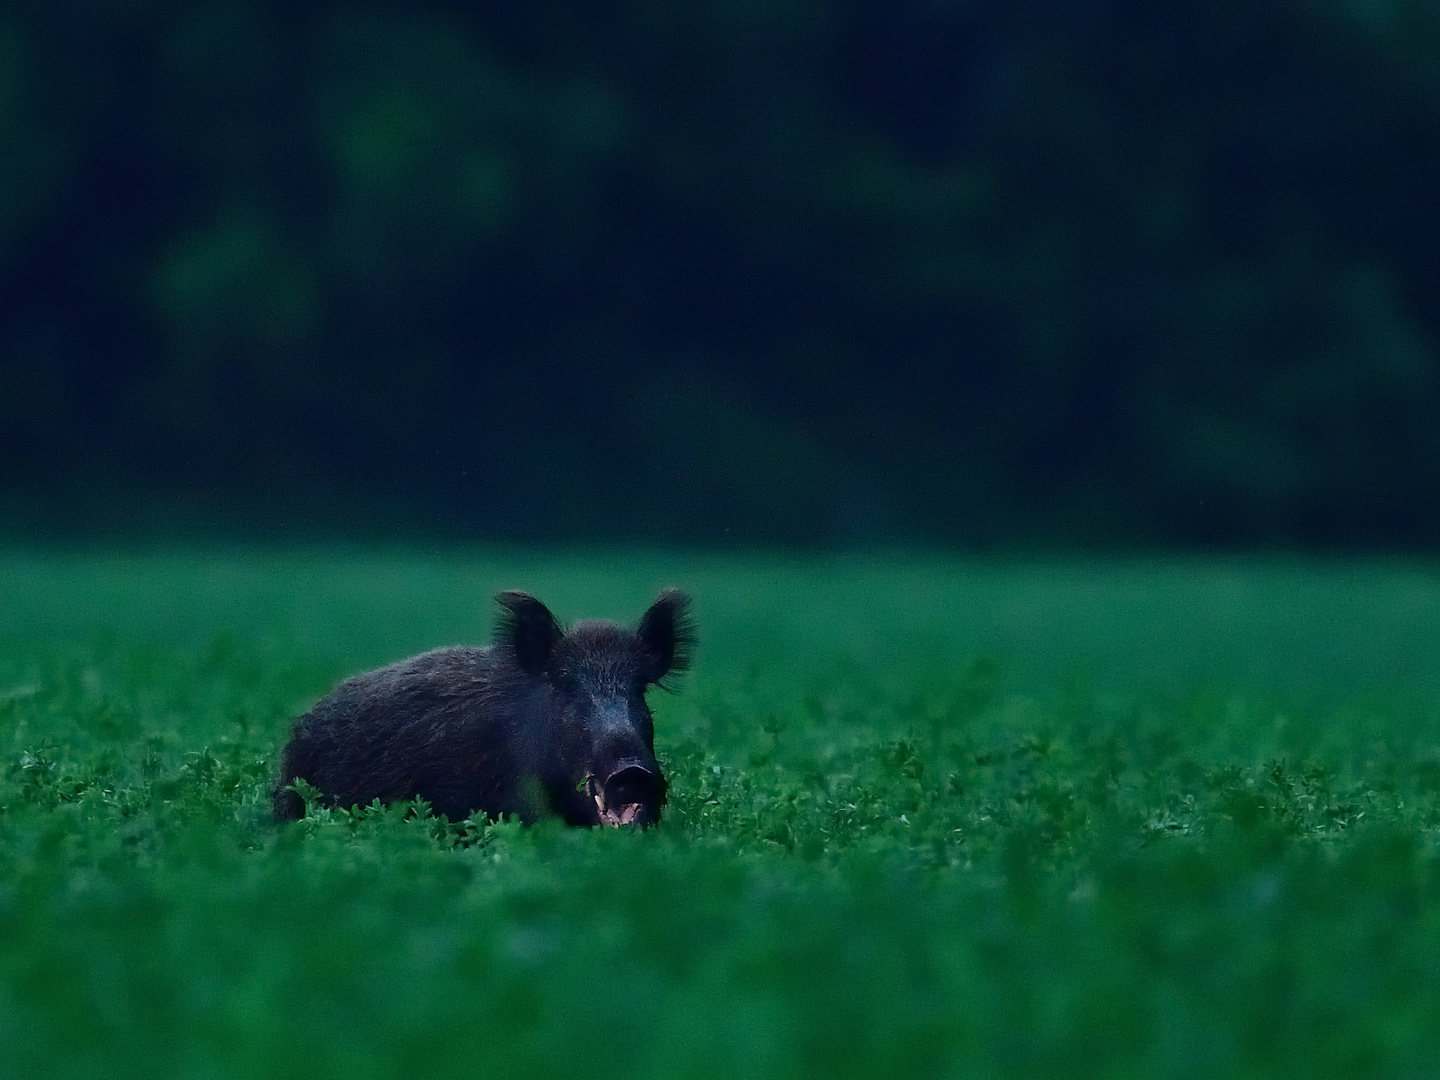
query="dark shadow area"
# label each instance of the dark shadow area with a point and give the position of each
(981, 274)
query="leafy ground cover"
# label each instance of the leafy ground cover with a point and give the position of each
(928, 818)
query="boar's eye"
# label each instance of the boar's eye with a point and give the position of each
(666, 636)
(528, 628)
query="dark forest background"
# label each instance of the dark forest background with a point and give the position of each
(1022, 272)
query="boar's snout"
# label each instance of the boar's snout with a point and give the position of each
(629, 795)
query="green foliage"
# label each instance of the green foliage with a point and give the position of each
(792, 272)
(885, 850)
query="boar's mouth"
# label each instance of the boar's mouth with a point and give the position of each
(627, 797)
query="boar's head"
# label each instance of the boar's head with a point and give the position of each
(598, 763)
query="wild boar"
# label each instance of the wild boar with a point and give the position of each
(545, 720)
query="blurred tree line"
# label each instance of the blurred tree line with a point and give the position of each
(966, 271)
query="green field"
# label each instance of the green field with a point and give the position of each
(928, 817)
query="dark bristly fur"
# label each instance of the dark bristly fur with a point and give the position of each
(543, 721)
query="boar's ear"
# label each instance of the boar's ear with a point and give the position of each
(527, 626)
(666, 635)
